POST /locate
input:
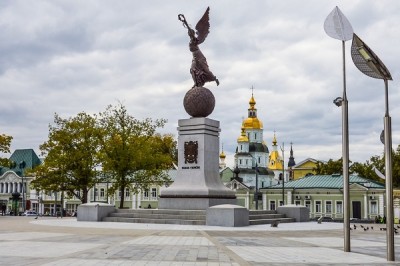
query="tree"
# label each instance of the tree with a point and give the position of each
(131, 151)
(396, 167)
(71, 156)
(366, 169)
(330, 167)
(5, 143)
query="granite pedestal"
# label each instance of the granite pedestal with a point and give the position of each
(300, 213)
(197, 185)
(94, 212)
(227, 215)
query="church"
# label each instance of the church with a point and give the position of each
(254, 164)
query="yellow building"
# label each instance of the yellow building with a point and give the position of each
(304, 168)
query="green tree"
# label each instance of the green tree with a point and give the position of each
(366, 169)
(132, 153)
(396, 167)
(330, 167)
(5, 143)
(71, 156)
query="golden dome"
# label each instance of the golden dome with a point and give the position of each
(222, 155)
(252, 102)
(274, 140)
(243, 137)
(252, 122)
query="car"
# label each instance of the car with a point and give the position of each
(30, 213)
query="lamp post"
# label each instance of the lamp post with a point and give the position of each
(338, 27)
(283, 173)
(256, 172)
(369, 64)
(256, 194)
(22, 165)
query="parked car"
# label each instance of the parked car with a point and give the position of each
(30, 213)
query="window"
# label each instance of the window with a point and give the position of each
(146, 194)
(297, 202)
(272, 205)
(95, 192)
(308, 204)
(102, 192)
(328, 206)
(259, 159)
(339, 207)
(318, 206)
(154, 193)
(127, 193)
(374, 207)
(280, 203)
(255, 135)
(240, 161)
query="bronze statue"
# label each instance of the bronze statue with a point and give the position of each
(199, 69)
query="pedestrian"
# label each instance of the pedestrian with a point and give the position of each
(3, 209)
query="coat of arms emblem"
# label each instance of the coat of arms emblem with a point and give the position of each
(191, 151)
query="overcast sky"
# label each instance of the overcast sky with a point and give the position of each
(70, 56)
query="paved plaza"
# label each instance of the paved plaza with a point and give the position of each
(56, 241)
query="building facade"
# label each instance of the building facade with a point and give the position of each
(323, 195)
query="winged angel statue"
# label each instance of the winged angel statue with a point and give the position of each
(199, 69)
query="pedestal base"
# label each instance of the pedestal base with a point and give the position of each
(227, 215)
(197, 185)
(192, 203)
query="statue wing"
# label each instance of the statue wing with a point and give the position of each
(203, 26)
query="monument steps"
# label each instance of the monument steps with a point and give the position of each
(155, 216)
(186, 217)
(268, 217)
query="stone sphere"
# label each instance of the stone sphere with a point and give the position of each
(199, 102)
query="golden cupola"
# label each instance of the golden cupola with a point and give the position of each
(243, 137)
(252, 122)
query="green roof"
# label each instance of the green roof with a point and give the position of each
(328, 182)
(28, 156)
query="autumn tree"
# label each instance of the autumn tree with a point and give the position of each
(5, 143)
(71, 156)
(132, 154)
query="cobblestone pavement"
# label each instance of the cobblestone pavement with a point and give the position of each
(52, 241)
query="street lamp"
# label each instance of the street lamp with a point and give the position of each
(283, 173)
(22, 165)
(256, 186)
(369, 64)
(338, 27)
(256, 172)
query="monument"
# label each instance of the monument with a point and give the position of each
(197, 185)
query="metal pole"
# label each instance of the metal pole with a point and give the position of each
(345, 155)
(388, 180)
(283, 173)
(256, 194)
(23, 194)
